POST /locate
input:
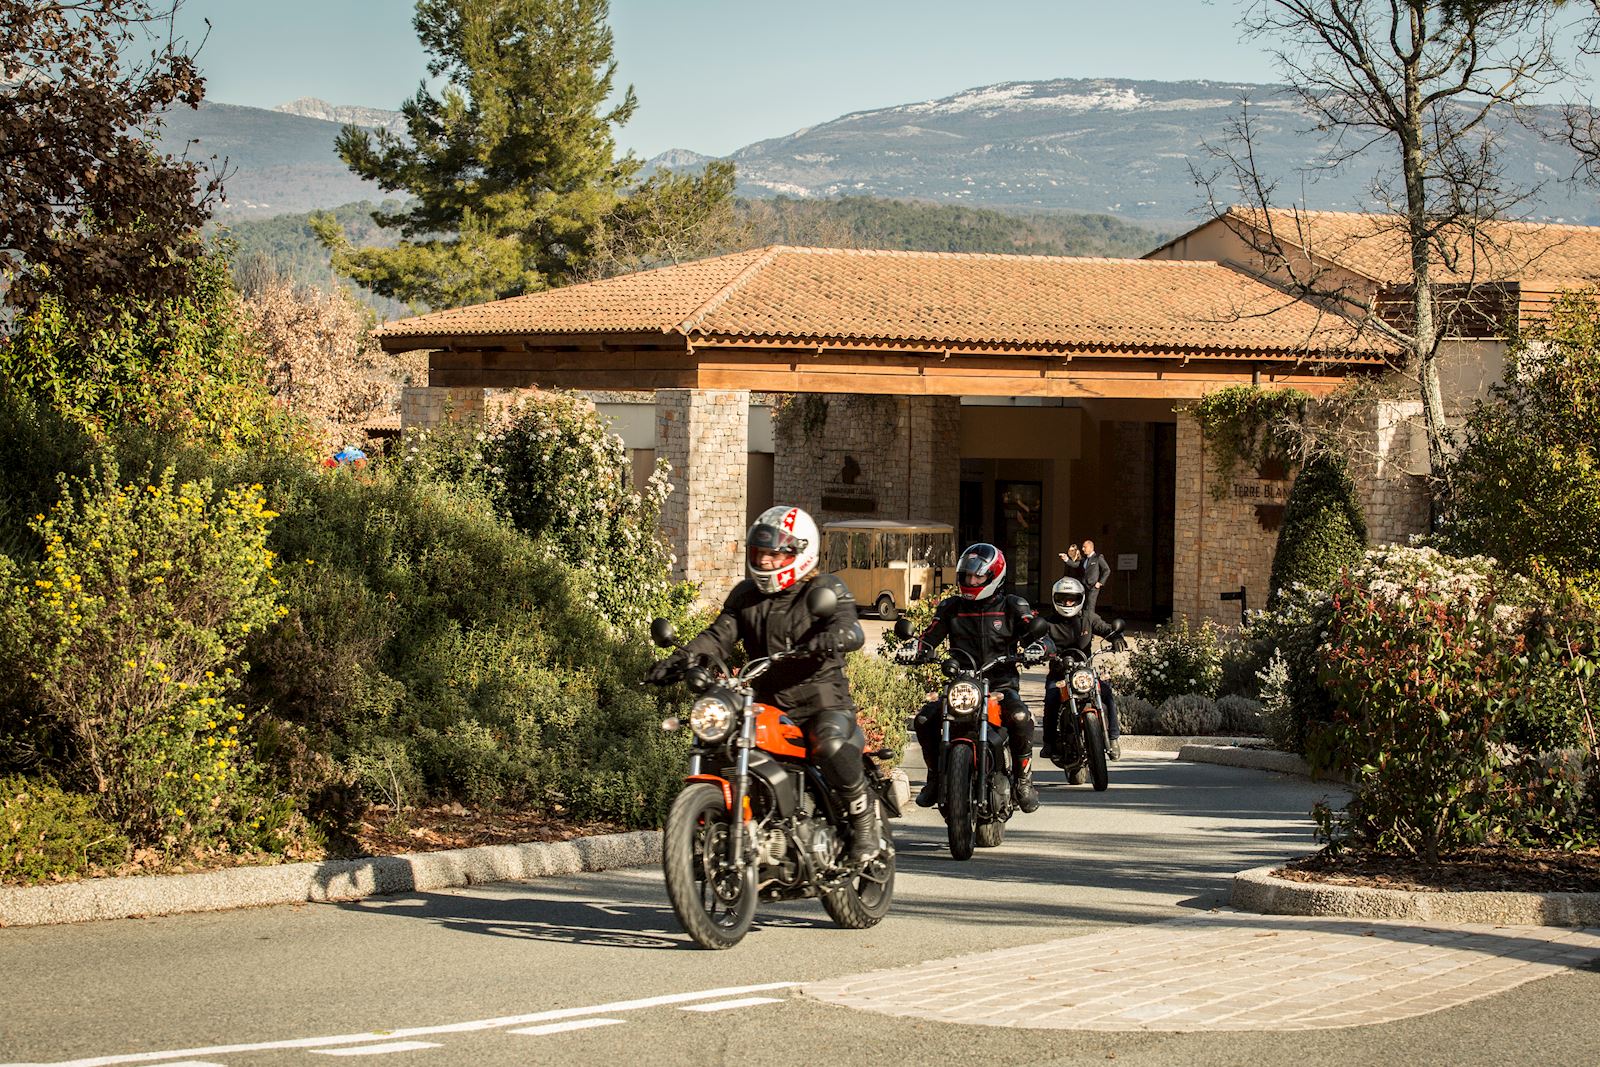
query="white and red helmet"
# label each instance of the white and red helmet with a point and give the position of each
(791, 536)
(981, 570)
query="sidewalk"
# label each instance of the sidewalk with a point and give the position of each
(1222, 971)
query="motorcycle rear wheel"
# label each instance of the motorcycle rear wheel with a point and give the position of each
(992, 834)
(716, 907)
(864, 899)
(958, 815)
(1094, 743)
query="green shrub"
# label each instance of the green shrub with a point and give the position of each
(48, 835)
(438, 653)
(1241, 717)
(125, 639)
(886, 695)
(1190, 714)
(1177, 661)
(1323, 530)
(1439, 681)
(1525, 479)
(1136, 715)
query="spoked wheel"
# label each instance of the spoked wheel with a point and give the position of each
(716, 904)
(958, 814)
(864, 899)
(1094, 744)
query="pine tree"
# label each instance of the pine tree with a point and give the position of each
(1323, 529)
(512, 167)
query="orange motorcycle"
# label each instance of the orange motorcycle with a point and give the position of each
(755, 819)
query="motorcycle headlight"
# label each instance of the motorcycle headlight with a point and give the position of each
(710, 718)
(963, 698)
(1082, 682)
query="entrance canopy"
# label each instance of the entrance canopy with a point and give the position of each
(821, 320)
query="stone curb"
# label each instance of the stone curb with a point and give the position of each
(1259, 890)
(1255, 759)
(333, 880)
(1174, 742)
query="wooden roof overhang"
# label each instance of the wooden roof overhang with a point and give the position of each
(606, 360)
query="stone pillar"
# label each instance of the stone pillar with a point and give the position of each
(422, 406)
(704, 435)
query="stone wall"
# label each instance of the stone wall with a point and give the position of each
(704, 434)
(433, 405)
(869, 457)
(1223, 544)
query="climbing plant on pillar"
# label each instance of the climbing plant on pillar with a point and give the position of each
(1244, 425)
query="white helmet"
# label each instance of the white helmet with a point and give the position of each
(1068, 595)
(788, 533)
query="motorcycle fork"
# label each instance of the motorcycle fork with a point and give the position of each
(982, 777)
(741, 783)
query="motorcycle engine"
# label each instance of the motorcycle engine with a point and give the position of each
(999, 790)
(774, 846)
(819, 842)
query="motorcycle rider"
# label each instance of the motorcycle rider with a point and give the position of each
(767, 612)
(1072, 625)
(982, 622)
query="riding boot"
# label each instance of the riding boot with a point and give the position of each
(863, 826)
(929, 794)
(1022, 790)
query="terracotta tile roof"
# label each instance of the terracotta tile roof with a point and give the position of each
(1376, 247)
(954, 300)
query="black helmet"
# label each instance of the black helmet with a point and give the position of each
(980, 572)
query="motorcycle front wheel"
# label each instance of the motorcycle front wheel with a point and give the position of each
(864, 899)
(958, 814)
(1094, 744)
(716, 904)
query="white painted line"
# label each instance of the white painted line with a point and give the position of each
(562, 1028)
(419, 1031)
(729, 1005)
(194, 1063)
(376, 1050)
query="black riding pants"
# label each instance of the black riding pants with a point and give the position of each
(1013, 713)
(1052, 701)
(835, 741)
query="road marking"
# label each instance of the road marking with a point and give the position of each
(561, 1028)
(376, 1050)
(421, 1031)
(729, 1005)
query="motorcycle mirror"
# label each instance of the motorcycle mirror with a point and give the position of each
(903, 628)
(1117, 626)
(662, 633)
(1036, 628)
(822, 602)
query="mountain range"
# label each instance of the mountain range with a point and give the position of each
(1112, 146)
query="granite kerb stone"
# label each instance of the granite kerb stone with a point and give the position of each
(328, 881)
(1260, 890)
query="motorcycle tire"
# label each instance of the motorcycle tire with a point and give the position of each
(1078, 775)
(864, 900)
(715, 913)
(1094, 740)
(992, 834)
(959, 818)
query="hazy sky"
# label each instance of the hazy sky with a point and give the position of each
(714, 75)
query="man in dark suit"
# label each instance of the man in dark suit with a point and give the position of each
(1096, 572)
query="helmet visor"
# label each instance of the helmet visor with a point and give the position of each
(771, 548)
(1068, 601)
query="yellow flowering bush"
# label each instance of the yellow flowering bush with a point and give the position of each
(124, 641)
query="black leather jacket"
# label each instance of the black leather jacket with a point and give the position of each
(1077, 632)
(983, 629)
(776, 623)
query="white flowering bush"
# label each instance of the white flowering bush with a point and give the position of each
(559, 475)
(1177, 661)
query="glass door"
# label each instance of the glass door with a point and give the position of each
(1019, 520)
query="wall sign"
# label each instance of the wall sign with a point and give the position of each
(1127, 561)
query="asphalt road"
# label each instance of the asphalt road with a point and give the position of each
(582, 964)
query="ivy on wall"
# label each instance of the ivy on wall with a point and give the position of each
(1249, 426)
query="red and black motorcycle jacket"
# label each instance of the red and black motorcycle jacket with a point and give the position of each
(767, 624)
(1077, 632)
(983, 629)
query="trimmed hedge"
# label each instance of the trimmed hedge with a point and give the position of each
(1323, 529)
